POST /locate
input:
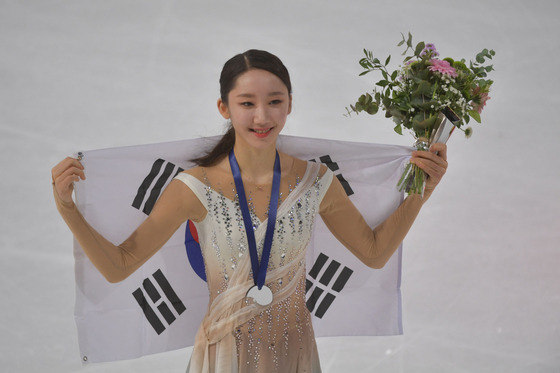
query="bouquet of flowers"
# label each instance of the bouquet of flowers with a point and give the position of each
(428, 96)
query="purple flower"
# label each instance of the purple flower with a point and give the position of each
(431, 49)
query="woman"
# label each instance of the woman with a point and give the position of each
(257, 320)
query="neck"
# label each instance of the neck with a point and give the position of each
(257, 165)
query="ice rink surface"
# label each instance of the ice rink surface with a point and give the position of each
(481, 286)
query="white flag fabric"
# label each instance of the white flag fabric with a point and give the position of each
(160, 306)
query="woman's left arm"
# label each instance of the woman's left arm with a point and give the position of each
(375, 247)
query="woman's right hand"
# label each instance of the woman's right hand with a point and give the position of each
(64, 175)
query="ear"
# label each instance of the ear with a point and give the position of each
(223, 109)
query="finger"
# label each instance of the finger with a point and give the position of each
(68, 162)
(439, 158)
(432, 169)
(75, 172)
(69, 176)
(61, 167)
(64, 186)
(439, 149)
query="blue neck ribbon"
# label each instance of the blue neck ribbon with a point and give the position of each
(259, 270)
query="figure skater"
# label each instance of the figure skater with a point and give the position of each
(254, 209)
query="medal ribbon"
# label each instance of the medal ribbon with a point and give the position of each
(259, 270)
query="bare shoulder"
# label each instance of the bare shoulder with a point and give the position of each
(299, 166)
(292, 165)
(182, 185)
(181, 195)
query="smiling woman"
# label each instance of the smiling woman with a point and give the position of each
(254, 209)
(258, 107)
(258, 63)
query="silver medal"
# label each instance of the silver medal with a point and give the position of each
(262, 297)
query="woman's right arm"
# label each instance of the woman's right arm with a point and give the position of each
(176, 204)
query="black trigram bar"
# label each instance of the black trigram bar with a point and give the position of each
(327, 277)
(166, 313)
(169, 292)
(313, 298)
(156, 167)
(342, 279)
(345, 185)
(308, 285)
(333, 166)
(156, 189)
(319, 263)
(326, 159)
(155, 296)
(151, 290)
(329, 273)
(324, 305)
(153, 319)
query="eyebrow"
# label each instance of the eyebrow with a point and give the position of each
(270, 94)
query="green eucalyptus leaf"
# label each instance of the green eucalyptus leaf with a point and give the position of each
(387, 60)
(382, 83)
(421, 123)
(475, 115)
(480, 57)
(419, 48)
(424, 88)
(386, 101)
(372, 108)
(365, 99)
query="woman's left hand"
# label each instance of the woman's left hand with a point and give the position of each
(433, 163)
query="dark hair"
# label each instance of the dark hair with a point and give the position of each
(233, 68)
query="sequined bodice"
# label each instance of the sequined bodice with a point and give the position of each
(280, 337)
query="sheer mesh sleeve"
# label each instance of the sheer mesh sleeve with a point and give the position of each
(177, 204)
(373, 247)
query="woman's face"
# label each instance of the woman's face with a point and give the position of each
(258, 106)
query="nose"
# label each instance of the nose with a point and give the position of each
(261, 115)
